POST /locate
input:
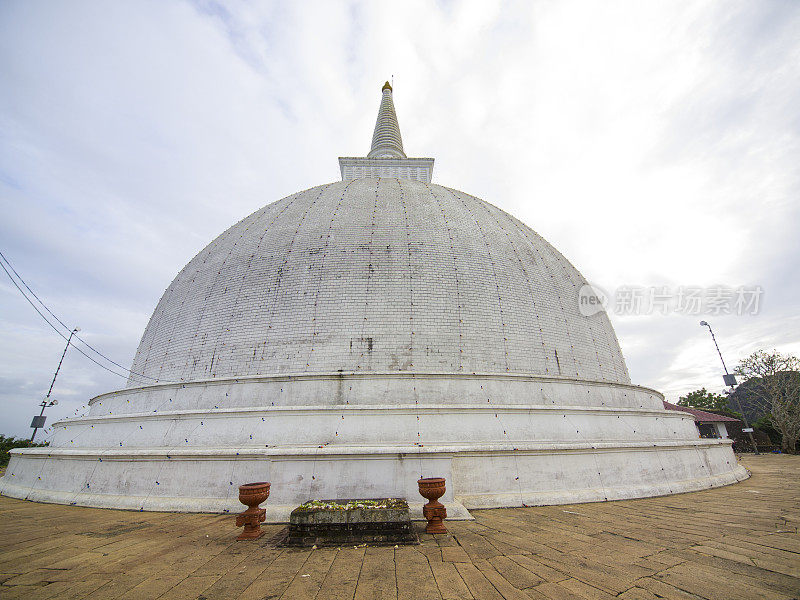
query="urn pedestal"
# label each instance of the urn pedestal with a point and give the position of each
(251, 495)
(433, 488)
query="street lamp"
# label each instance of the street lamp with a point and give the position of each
(38, 420)
(730, 380)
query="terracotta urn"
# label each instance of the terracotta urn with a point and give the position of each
(251, 495)
(433, 488)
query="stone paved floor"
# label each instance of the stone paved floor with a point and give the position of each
(735, 542)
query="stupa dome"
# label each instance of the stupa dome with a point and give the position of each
(374, 275)
(346, 340)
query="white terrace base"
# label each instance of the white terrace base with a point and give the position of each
(573, 441)
(206, 480)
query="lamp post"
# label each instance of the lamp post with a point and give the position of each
(38, 421)
(731, 381)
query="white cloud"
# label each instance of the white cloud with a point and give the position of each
(652, 143)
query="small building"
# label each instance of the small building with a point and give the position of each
(709, 425)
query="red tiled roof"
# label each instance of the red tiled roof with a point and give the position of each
(699, 415)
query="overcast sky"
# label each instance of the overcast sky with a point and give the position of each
(656, 144)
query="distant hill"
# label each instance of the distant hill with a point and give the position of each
(749, 405)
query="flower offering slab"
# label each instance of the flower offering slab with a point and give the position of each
(376, 521)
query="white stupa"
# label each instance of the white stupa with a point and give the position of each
(350, 338)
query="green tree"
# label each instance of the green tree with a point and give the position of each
(704, 400)
(774, 382)
(8, 443)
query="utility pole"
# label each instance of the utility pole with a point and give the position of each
(38, 421)
(731, 381)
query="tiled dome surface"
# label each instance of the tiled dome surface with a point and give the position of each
(377, 275)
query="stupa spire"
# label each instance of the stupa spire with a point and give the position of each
(386, 140)
(386, 158)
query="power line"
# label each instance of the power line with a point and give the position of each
(95, 350)
(53, 326)
(21, 291)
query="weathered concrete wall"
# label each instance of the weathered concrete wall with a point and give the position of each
(389, 388)
(205, 479)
